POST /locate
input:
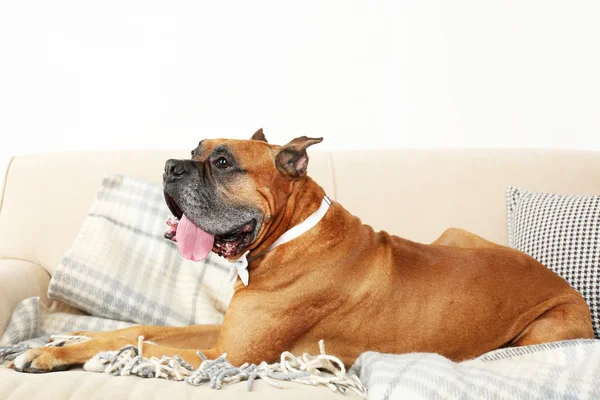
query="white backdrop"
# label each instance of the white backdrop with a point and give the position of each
(133, 74)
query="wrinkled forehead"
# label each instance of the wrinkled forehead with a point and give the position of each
(206, 146)
(248, 150)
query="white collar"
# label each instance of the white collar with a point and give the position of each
(241, 264)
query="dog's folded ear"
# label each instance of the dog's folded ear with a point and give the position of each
(292, 159)
(259, 135)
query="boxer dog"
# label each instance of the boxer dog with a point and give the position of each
(314, 271)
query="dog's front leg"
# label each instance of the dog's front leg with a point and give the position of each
(49, 359)
(185, 337)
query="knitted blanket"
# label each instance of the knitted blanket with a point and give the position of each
(35, 323)
(560, 370)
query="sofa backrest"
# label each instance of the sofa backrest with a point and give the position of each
(415, 194)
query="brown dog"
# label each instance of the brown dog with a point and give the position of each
(340, 281)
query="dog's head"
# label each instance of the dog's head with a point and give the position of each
(229, 190)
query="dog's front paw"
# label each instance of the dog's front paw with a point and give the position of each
(45, 359)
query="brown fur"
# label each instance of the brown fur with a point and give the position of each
(356, 288)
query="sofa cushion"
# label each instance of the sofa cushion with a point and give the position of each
(563, 233)
(79, 384)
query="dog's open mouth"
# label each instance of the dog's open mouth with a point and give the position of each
(195, 244)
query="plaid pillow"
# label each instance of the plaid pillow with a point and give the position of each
(563, 233)
(121, 267)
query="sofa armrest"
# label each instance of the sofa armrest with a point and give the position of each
(19, 280)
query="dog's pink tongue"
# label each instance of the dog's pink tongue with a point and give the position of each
(193, 243)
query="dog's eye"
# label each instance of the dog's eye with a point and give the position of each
(222, 163)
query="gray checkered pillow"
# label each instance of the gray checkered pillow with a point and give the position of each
(563, 233)
(121, 267)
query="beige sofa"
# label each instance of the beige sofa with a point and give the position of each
(412, 193)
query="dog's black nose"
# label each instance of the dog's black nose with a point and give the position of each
(176, 169)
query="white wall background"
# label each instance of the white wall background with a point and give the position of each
(396, 73)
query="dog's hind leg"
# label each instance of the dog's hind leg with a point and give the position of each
(563, 322)
(456, 237)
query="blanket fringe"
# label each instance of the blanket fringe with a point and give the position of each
(9, 353)
(322, 369)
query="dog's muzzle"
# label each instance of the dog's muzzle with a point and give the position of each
(177, 169)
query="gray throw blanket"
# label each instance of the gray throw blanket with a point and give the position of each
(560, 370)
